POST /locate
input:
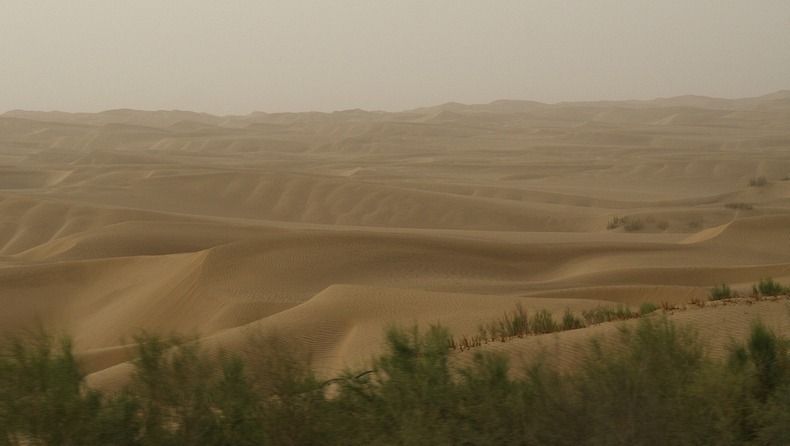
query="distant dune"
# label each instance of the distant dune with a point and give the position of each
(323, 228)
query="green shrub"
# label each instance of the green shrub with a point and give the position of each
(410, 396)
(183, 397)
(543, 322)
(626, 221)
(762, 368)
(634, 225)
(512, 324)
(649, 383)
(616, 222)
(647, 308)
(42, 399)
(768, 354)
(653, 391)
(630, 224)
(570, 321)
(773, 419)
(768, 287)
(720, 292)
(603, 313)
(758, 181)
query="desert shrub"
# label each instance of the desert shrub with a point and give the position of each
(738, 206)
(188, 395)
(768, 287)
(648, 392)
(466, 342)
(180, 395)
(764, 358)
(409, 398)
(239, 404)
(492, 407)
(696, 223)
(758, 181)
(762, 368)
(650, 383)
(630, 224)
(511, 324)
(768, 355)
(543, 322)
(174, 386)
(414, 396)
(720, 292)
(603, 313)
(570, 321)
(42, 399)
(773, 425)
(516, 322)
(634, 225)
(616, 222)
(647, 308)
(293, 410)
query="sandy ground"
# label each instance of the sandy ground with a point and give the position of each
(323, 228)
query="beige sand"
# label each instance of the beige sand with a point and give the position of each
(322, 228)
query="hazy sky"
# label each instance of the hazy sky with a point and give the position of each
(237, 56)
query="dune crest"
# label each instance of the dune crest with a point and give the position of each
(705, 234)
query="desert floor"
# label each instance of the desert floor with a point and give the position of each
(320, 229)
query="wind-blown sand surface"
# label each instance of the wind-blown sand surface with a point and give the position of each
(323, 228)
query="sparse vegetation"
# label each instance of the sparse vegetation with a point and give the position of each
(510, 325)
(758, 181)
(630, 224)
(570, 321)
(543, 322)
(739, 206)
(634, 225)
(764, 287)
(647, 308)
(517, 323)
(603, 313)
(42, 397)
(616, 222)
(720, 292)
(768, 287)
(696, 223)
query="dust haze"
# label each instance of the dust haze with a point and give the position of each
(244, 56)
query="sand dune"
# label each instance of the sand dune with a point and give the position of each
(323, 228)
